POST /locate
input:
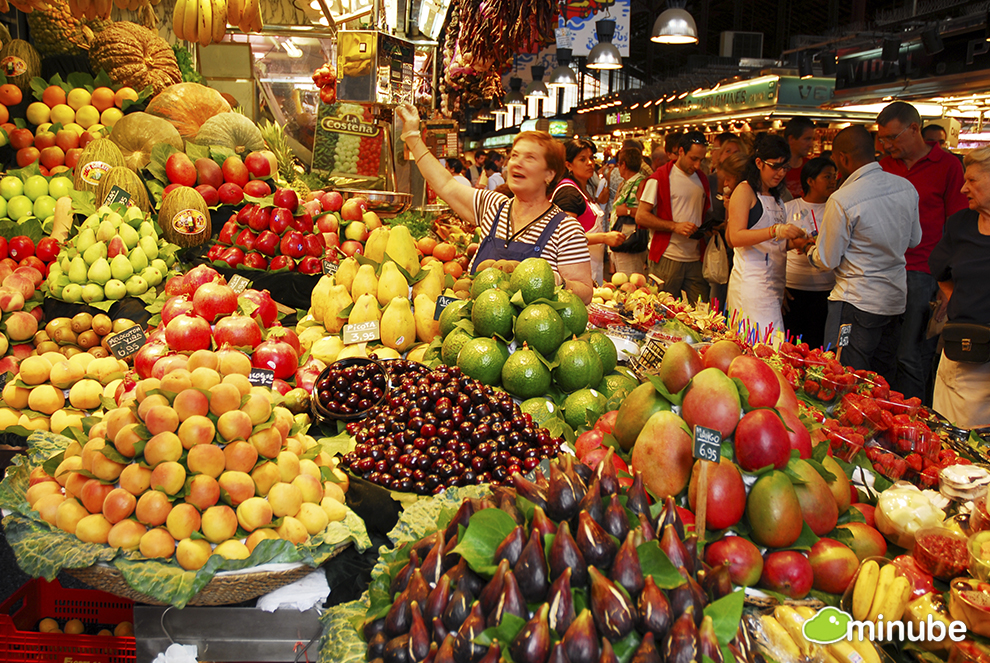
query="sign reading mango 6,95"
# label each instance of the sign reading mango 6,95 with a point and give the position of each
(348, 143)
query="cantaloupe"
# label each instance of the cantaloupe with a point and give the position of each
(20, 62)
(96, 161)
(128, 180)
(185, 218)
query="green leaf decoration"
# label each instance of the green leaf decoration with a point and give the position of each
(505, 632)
(80, 79)
(486, 530)
(103, 80)
(38, 86)
(842, 535)
(626, 647)
(197, 151)
(851, 516)
(654, 562)
(82, 202)
(825, 474)
(341, 641)
(159, 155)
(661, 388)
(42, 551)
(339, 444)
(13, 489)
(805, 541)
(827, 599)
(744, 395)
(726, 614)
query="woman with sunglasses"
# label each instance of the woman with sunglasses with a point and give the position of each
(758, 231)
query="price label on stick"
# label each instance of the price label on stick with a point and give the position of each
(238, 283)
(127, 342)
(329, 267)
(261, 377)
(707, 444)
(442, 303)
(845, 331)
(117, 195)
(363, 332)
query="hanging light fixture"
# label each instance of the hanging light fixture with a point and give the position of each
(805, 67)
(604, 55)
(484, 114)
(500, 109)
(515, 98)
(537, 89)
(563, 75)
(675, 25)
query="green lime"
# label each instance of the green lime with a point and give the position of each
(541, 327)
(575, 314)
(541, 408)
(453, 314)
(487, 279)
(605, 348)
(578, 366)
(613, 383)
(452, 346)
(534, 277)
(583, 408)
(492, 313)
(524, 375)
(482, 359)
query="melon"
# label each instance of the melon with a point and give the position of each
(185, 218)
(231, 130)
(137, 133)
(187, 106)
(128, 180)
(20, 62)
(96, 161)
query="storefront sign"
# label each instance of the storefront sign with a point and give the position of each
(762, 92)
(618, 117)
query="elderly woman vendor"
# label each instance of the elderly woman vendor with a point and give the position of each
(528, 225)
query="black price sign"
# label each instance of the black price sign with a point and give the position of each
(707, 444)
(845, 331)
(363, 332)
(238, 283)
(261, 377)
(117, 195)
(127, 342)
(329, 267)
(442, 303)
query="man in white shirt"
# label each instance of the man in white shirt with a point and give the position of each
(869, 222)
(495, 178)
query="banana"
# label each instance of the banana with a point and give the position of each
(793, 622)
(219, 20)
(178, 19)
(864, 590)
(82, 6)
(884, 582)
(234, 10)
(845, 652)
(205, 23)
(259, 20)
(249, 15)
(865, 649)
(190, 20)
(780, 642)
(121, 4)
(103, 8)
(896, 600)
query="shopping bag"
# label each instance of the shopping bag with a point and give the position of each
(715, 268)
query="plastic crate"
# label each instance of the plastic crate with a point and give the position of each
(20, 613)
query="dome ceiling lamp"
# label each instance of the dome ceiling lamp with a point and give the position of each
(515, 98)
(604, 55)
(563, 76)
(537, 89)
(675, 25)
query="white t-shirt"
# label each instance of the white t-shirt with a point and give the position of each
(462, 179)
(800, 274)
(687, 202)
(495, 180)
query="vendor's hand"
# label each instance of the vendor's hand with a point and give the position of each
(802, 244)
(409, 116)
(685, 229)
(615, 238)
(789, 231)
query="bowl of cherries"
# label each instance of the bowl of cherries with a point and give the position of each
(348, 389)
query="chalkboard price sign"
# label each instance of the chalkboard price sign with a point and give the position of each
(329, 267)
(127, 342)
(845, 331)
(363, 332)
(117, 195)
(238, 283)
(707, 444)
(261, 377)
(442, 303)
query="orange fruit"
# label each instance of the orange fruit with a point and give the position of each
(10, 95)
(444, 251)
(122, 94)
(8, 126)
(53, 96)
(426, 245)
(103, 98)
(4, 115)
(453, 269)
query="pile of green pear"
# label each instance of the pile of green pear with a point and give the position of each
(113, 256)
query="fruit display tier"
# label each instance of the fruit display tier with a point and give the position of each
(288, 288)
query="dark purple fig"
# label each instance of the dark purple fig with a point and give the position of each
(674, 548)
(493, 654)
(439, 630)
(616, 522)
(540, 480)
(423, 546)
(465, 649)
(431, 654)
(693, 562)
(445, 654)
(708, 641)
(669, 516)
(511, 601)
(564, 554)
(529, 490)
(418, 589)
(376, 646)
(419, 636)
(563, 494)
(646, 527)
(531, 570)
(450, 558)
(626, 570)
(655, 615)
(542, 524)
(397, 650)
(507, 504)
(685, 597)
(432, 566)
(461, 517)
(489, 595)
(606, 475)
(511, 546)
(457, 610)
(371, 628)
(718, 581)
(581, 640)
(557, 654)
(681, 644)
(398, 619)
(735, 650)
(586, 473)
(608, 655)
(636, 499)
(595, 544)
(568, 465)
(438, 599)
(482, 503)
(614, 613)
(561, 603)
(647, 651)
(462, 577)
(401, 578)
(592, 502)
(532, 644)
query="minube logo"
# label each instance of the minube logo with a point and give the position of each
(832, 625)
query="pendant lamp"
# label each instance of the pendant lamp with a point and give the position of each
(537, 89)
(515, 99)
(563, 75)
(675, 25)
(604, 55)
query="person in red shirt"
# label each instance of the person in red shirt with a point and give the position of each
(800, 136)
(938, 178)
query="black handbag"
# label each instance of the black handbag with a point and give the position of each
(968, 342)
(637, 242)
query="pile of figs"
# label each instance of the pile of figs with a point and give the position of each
(567, 585)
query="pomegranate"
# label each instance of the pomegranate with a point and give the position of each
(144, 360)
(188, 333)
(238, 331)
(176, 306)
(199, 276)
(281, 386)
(276, 355)
(214, 300)
(175, 285)
(126, 388)
(267, 312)
(308, 372)
(278, 332)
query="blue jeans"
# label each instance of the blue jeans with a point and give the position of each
(916, 352)
(872, 341)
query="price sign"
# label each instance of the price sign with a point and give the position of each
(238, 283)
(117, 195)
(329, 267)
(442, 303)
(363, 332)
(845, 331)
(127, 342)
(261, 377)
(707, 444)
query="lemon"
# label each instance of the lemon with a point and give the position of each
(534, 278)
(78, 97)
(541, 327)
(605, 348)
(487, 279)
(492, 314)
(574, 314)
(482, 359)
(452, 346)
(578, 366)
(524, 375)
(453, 314)
(583, 408)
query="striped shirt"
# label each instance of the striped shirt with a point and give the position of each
(568, 245)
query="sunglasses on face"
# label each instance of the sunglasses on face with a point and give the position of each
(777, 167)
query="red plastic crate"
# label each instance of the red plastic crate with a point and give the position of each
(19, 616)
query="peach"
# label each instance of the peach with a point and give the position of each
(234, 424)
(240, 381)
(294, 445)
(153, 508)
(292, 530)
(68, 514)
(157, 543)
(283, 420)
(92, 495)
(331, 489)
(196, 430)
(311, 489)
(11, 300)
(312, 517)
(306, 466)
(129, 440)
(203, 359)
(168, 477)
(126, 535)
(253, 513)
(204, 378)
(259, 535)
(206, 459)
(232, 549)
(161, 419)
(93, 528)
(334, 509)
(116, 420)
(288, 465)
(46, 399)
(35, 370)
(144, 386)
(192, 554)
(15, 397)
(265, 476)
(204, 492)
(74, 483)
(285, 499)
(135, 479)
(162, 448)
(176, 381)
(239, 486)
(34, 423)
(39, 490)
(240, 456)
(47, 506)
(259, 408)
(182, 521)
(149, 402)
(64, 374)
(118, 505)
(98, 429)
(105, 469)
(234, 361)
(91, 448)
(219, 523)
(267, 442)
(38, 475)
(191, 402)
(224, 398)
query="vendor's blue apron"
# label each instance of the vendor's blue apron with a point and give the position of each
(494, 248)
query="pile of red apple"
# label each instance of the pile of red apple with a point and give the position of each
(55, 152)
(21, 252)
(223, 184)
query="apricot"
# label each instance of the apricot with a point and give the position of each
(306, 466)
(105, 469)
(65, 374)
(15, 397)
(68, 514)
(240, 381)
(63, 419)
(204, 492)
(253, 513)
(98, 429)
(203, 359)
(8, 418)
(192, 554)
(206, 459)
(283, 420)
(259, 535)
(288, 465)
(104, 369)
(46, 399)
(176, 381)
(48, 625)
(240, 456)
(285, 499)
(35, 370)
(162, 419)
(224, 398)
(294, 445)
(312, 517)
(234, 424)
(235, 361)
(135, 479)
(191, 402)
(162, 448)
(168, 477)
(204, 378)
(34, 423)
(118, 505)
(153, 400)
(91, 448)
(92, 495)
(157, 543)
(182, 521)
(258, 408)
(129, 439)
(232, 549)
(153, 508)
(334, 509)
(265, 476)
(47, 506)
(239, 486)
(292, 530)
(196, 430)
(116, 420)
(94, 528)
(267, 442)
(39, 490)
(74, 484)
(331, 489)
(144, 386)
(311, 488)
(86, 395)
(219, 523)
(126, 535)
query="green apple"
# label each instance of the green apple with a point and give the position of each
(136, 285)
(59, 186)
(3, 207)
(19, 207)
(35, 187)
(11, 186)
(115, 289)
(73, 293)
(44, 207)
(91, 293)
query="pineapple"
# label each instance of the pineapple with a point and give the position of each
(274, 136)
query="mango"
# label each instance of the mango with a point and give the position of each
(641, 404)
(818, 506)
(774, 511)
